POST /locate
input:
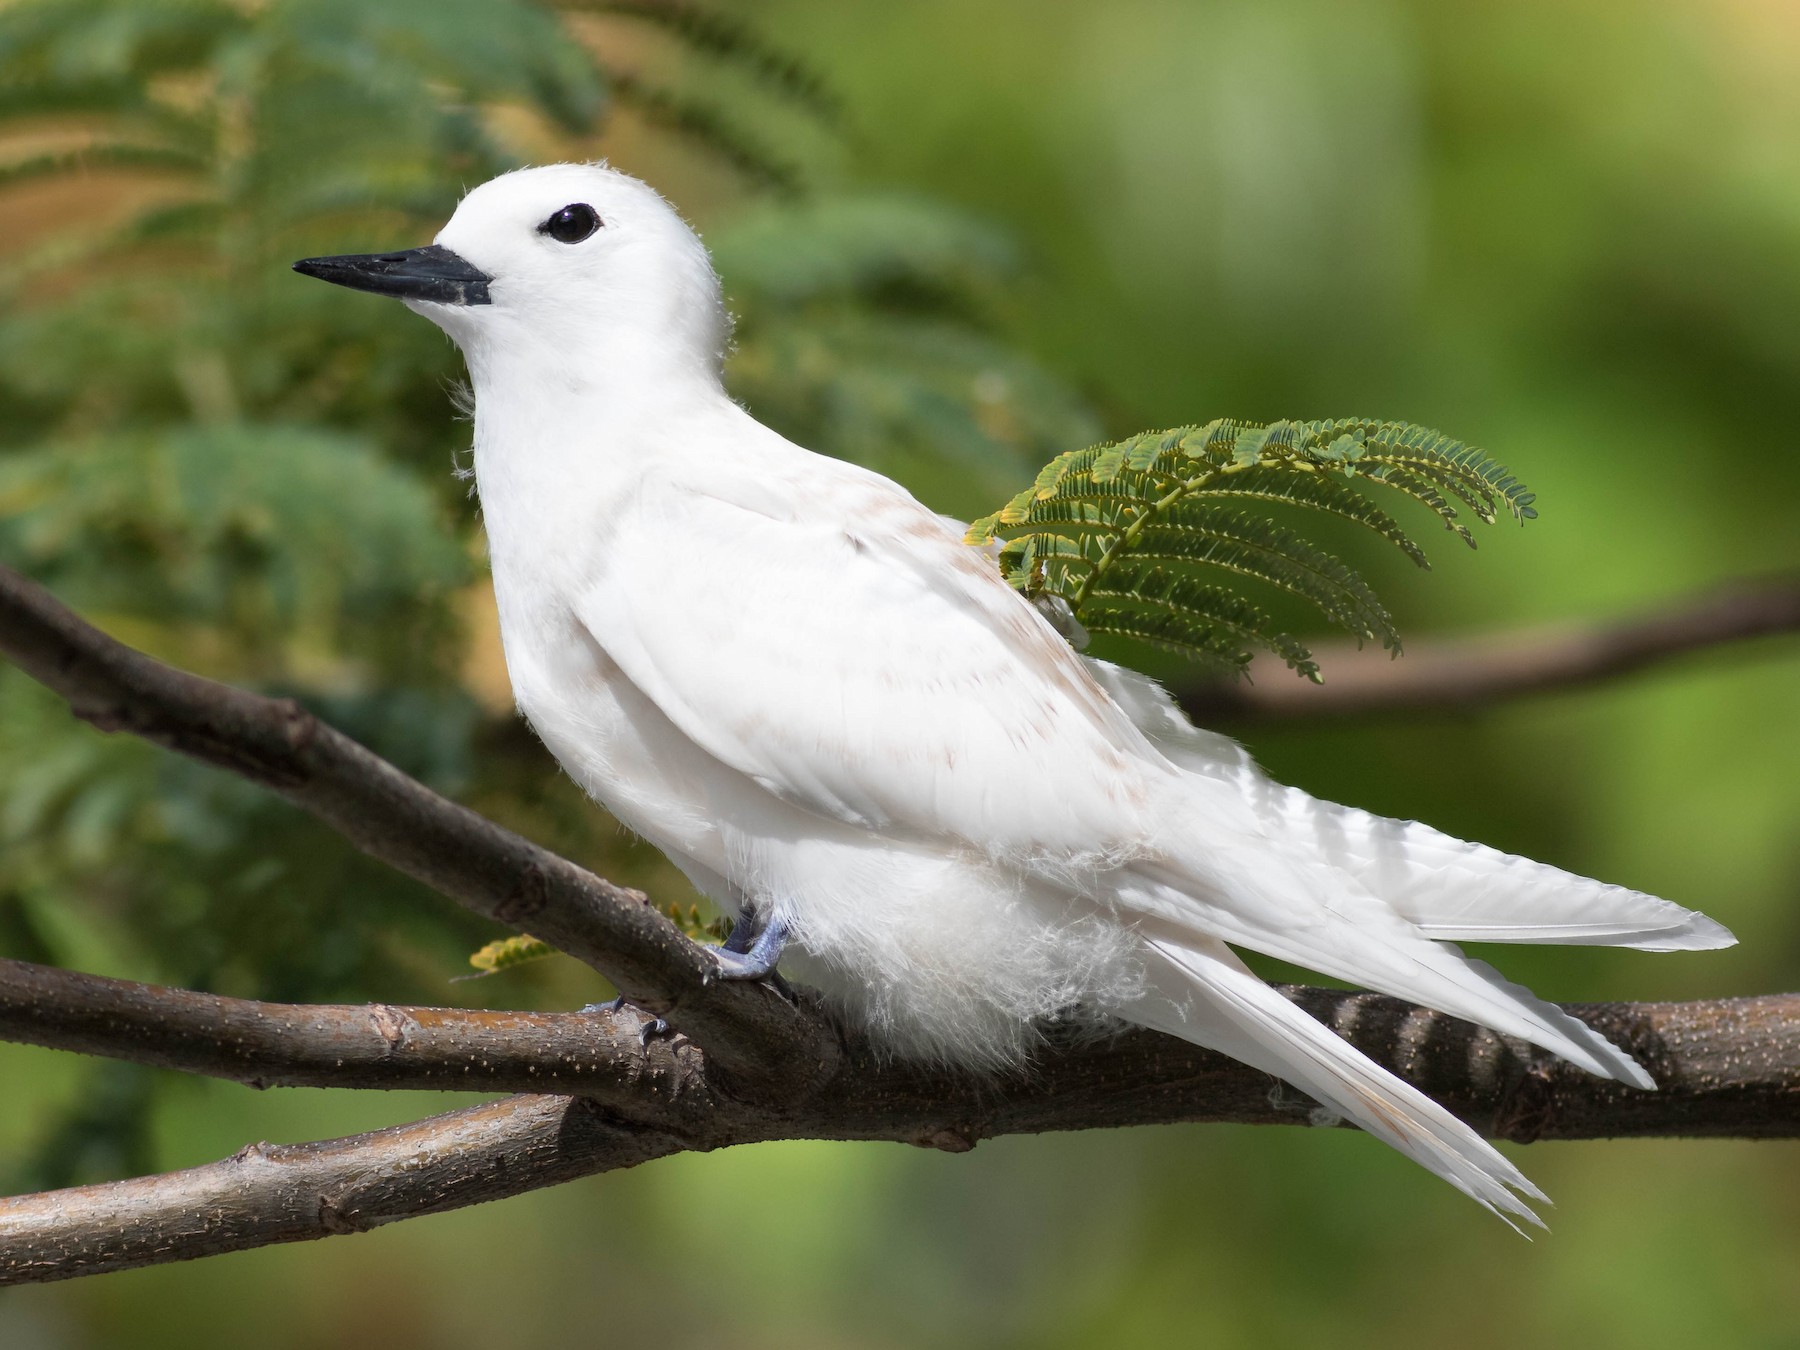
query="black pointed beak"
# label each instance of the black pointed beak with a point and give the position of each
(432, 273)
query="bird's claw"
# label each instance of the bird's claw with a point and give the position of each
(651, 1025)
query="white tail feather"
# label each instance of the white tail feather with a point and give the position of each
(1327, 923)
(1204, 994)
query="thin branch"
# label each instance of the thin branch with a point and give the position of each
(753, 1033)
(1476, 671)
(1725, 1068)
(269, 1193)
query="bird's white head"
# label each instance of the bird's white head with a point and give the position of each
(570, 276)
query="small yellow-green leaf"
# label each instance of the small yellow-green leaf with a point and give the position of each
(1112, 459)
(1248, 447)
(1015, 510)
(1051, 474)
(505, 953)
(981, 532)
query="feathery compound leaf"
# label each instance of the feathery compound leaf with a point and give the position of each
(1255, 547)
(1174, 610)
(1318, 492)
(1134, 536)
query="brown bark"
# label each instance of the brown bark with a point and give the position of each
(269, 1193)
(611, 1057)
(1726, 1067)
(1446, 675)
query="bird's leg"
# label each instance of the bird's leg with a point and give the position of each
(744, 957)
(743, 933)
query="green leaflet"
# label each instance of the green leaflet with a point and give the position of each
(1137, 536)
(1175, 610)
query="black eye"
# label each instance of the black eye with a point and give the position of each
(572, 224)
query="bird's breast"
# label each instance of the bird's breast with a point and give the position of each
(609, 737)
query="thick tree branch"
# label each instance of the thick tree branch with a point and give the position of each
(609, 1057)
(1444, 675)
(1725, 1068)
(754, 1033)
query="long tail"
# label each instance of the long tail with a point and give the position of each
(1266, 867)
(1204, 994)
(1243, 891)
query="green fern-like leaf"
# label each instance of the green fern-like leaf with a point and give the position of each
(1134, 536)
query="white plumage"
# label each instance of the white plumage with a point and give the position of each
(801, 685)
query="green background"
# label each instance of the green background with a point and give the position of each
(1568, 232)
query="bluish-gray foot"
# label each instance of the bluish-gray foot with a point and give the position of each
(750, 954)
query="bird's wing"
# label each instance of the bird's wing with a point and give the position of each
(832, 639)
(1450, 889)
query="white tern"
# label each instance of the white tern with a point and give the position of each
(841, 723)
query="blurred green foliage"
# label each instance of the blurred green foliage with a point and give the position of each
(866, 327)
(1569, 230)
(246, 474)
